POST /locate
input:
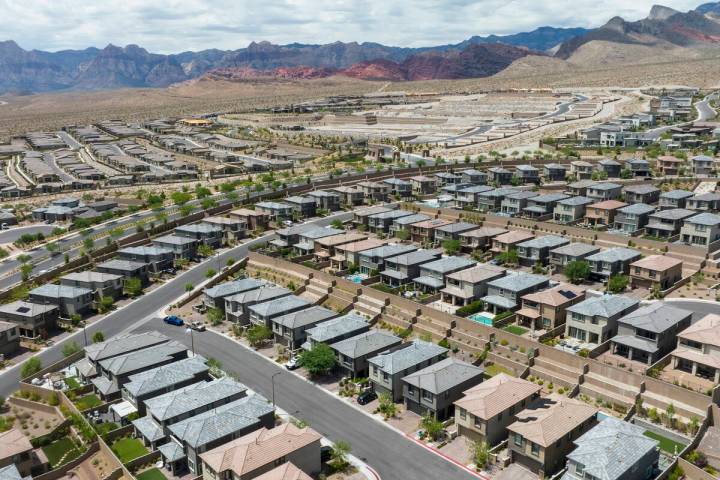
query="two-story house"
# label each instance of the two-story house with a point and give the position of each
(471, 175)
(613, 261)
(452, 231)
(514, 203)
(479, 239)
(157, 258)
(422, 185)
(381, 222)
(374, 191)
(466, 197)
(302, 207)
(402, 269)
(403, 223)
(542, 205)
(505, 293)
(537, 250)
(611, 167)
(638, 167)
(554, 172)
(667, 223)
(433, 275)
(581, 170)
(698, 349)
(571, 210)
(669, 166)
(423, 232)
(69, 300)
(373, 260)
(237, 305)
(101, 284)
(349, 196)
(674, 199)
(603, 213)
(547, 309)
(703, 165)
(509, 240)
(181, 247)
(604, 452)
(399, 187)
(353, 353)
(543, 433)
(633, 218)
(387, 369)
(579, 188)
(264, 313)
(470, 284)
(361, 216)
(491, 200)
(336, 329)
(32, 319)
(572, 252)
(650, 332)
(595, 319)
(325, 200)
(642, 193)
(499, 175)
(656, 270)
(485, 410)
(434, 389)
(289, 329)
(604, 191)
(704, 202)
(701, 230)
(275, 211)
(527, 174)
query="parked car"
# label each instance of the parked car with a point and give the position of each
(292, 364)
(197, 325)
(174, 320)
(366, 397)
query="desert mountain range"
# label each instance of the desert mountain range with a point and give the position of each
(665, 34)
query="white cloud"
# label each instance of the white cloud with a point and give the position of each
(179, 25)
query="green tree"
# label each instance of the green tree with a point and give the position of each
(451, 246)
(98, 337)
(318, 361)
(25, 271)
(617, 283)
(180, 198)
(207, 203)
(509, 257)
(75, 319)
(31, 366)
(205, 250)
(215, 316)
(132, 286)
(386, 406)
(202, 192)
(189, 287)
(337, 224)
(577, 271)
(481, 454)
(432, 426)
(339, 455)
(88, 244)
(402, 234)
(210, 273)
(258, 334)
(70, 348)
(105, 304)
(186, 209)
(23, 258)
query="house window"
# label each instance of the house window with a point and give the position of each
(462, 413)
(579, 469)
(518, 440)
(411, 391)
(427, 395)
(535, 449)
(386, 377)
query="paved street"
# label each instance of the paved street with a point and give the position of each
(13, 233)
(387, 451)
(144, 308)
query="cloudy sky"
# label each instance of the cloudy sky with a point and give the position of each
(169, 26)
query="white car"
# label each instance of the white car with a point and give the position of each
(198, 326)
(292, 364)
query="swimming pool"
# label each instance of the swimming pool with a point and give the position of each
(486, 318)
(357, 277)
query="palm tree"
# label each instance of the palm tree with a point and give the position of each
(340, 450)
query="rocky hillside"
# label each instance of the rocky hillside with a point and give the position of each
(23, 71)
(663, 28)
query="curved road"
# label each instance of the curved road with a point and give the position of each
(13, 233)
(393, 456)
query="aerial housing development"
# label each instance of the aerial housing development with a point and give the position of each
(496, 259)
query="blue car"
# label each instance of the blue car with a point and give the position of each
(174, 320)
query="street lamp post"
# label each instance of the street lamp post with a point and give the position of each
(272, 381)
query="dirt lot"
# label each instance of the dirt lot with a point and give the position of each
(33, 423)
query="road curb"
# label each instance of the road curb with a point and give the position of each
(447, 458)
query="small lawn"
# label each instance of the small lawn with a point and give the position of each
(152, 474)
(494, 369)
(72, 382)
(516, 330)
(104, 428)
(666, 444)
(129, 449)
(88, 401)
(62, 450)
